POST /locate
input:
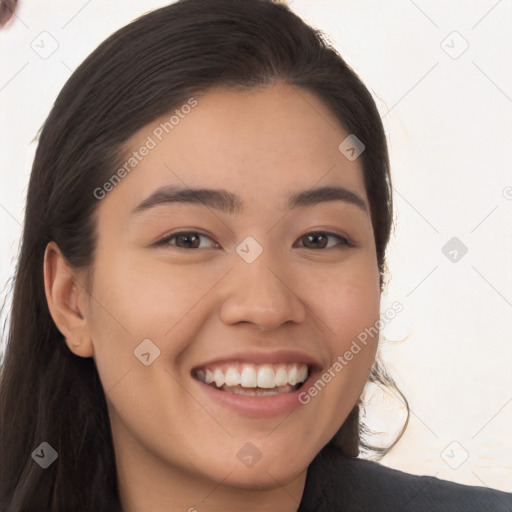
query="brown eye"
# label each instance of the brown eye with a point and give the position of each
(184, 240)
(319, 240)
(192, 240)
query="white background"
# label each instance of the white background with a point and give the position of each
(449, 125)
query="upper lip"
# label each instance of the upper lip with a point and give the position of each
(269, 357)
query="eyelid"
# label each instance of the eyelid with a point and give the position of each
(345, 241)
(163, 241)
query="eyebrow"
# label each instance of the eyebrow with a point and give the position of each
(227, 202)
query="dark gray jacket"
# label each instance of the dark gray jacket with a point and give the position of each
(336, 483)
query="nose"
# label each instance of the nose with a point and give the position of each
(262, 294)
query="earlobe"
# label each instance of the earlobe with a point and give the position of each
(66, 301)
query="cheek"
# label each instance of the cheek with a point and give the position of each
(136, 299)
(347, 298)
(354, 316)
(348, 303)
(354, 338)
(148, 297)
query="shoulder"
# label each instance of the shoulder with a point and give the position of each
(336, 483)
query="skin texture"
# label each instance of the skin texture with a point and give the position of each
(175, 448)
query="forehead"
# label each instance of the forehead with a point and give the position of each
(263, 144)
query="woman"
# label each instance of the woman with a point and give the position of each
(204, 246)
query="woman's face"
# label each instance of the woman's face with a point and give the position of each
(248, 292)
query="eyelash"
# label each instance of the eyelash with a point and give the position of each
(344, 242)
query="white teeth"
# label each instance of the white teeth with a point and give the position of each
(248, 378)
(282, 376)
(292, 375)
(232, 377)
(303, 373)
(266, 376)
(218, 377)
(208, 376)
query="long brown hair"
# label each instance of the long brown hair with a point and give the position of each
(138, 74)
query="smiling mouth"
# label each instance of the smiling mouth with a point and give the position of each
(254, 379)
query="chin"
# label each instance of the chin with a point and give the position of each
(265, 477)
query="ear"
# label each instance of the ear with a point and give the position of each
(67, 301)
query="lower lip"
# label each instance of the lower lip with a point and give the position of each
(257, 406)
